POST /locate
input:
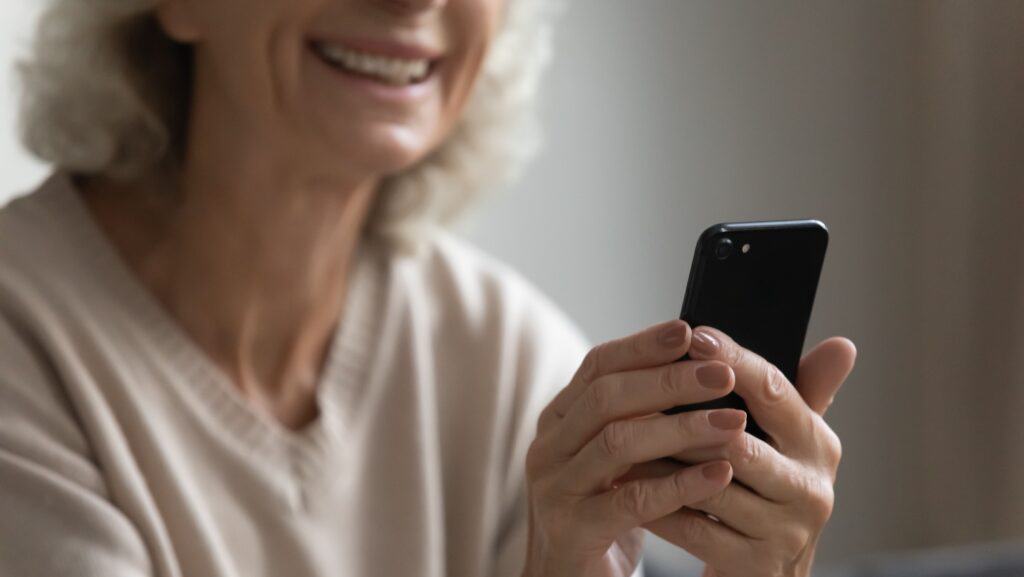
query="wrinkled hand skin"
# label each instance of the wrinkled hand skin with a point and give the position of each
(606, 462)
(781, 495)
(583, 518)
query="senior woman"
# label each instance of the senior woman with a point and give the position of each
(236, 340)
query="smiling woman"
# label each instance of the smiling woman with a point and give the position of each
(106, 91)
(245, 201)
(235, 339)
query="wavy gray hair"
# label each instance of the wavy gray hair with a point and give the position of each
(105, 91)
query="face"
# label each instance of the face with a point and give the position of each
(370, 86)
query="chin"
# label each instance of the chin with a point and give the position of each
(381, 150)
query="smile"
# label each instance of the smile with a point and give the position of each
(393, 71)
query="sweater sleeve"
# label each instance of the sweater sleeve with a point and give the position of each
(55, 516)
(550, 349)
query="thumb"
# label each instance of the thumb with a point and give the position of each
(823, 370)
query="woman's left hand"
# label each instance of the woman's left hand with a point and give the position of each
(771, 515)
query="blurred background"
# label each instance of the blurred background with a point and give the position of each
(898, 123)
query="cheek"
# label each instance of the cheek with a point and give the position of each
(472, 26)
(254, 48)
(237, 62)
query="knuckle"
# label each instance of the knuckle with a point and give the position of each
(772, 382)
(598, 398)
(820, 502)
(817, 496)
(686, 423)
(637, 346)
(680, 486)
(732, 352)
(792, 540)
(692, 529)
(633, 500)
(589, 370)
(833, 449)
(801, 480)
(615, 438)
(669, 381)
(747, 450)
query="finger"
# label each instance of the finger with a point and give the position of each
(743, 511)
(655, 468)
(635, 393)
(710, 541)
(653, 346)
(738, 507)
(621, 444)
(756, 464)
(635, 503)
(823, 370)
(772, 400)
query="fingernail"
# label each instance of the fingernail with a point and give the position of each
(727, 419)
(704, 344)
(717, 471)
(713, 375)
(674, 335)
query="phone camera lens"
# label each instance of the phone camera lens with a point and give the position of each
(723, 248)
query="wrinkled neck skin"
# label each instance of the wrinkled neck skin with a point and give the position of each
(248, 245)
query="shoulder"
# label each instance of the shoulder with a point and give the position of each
(40, 294)
(487, 323)
(468, 284)
(35, 237)
(26, 214)
(33, 405)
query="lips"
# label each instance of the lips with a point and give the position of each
(393, 70)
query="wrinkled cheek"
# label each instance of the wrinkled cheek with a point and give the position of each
(458, 94)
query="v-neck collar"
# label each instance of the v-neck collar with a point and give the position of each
(341, 379)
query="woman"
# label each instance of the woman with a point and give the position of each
(235, 341)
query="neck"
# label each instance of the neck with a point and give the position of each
(250, 254)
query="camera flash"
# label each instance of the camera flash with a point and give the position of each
(746, 248)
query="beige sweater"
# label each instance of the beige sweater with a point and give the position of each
(124, 451)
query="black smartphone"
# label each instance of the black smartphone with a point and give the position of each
(756, 282)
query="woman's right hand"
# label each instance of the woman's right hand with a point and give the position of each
(584, 518)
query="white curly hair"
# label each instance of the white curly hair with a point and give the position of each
(105, 91)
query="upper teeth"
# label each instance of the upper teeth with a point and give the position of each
(393, 70)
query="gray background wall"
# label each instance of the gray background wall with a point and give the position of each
(665, 116)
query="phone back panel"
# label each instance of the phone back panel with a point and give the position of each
(761, 295)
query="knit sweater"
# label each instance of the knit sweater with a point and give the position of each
(125, 451)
